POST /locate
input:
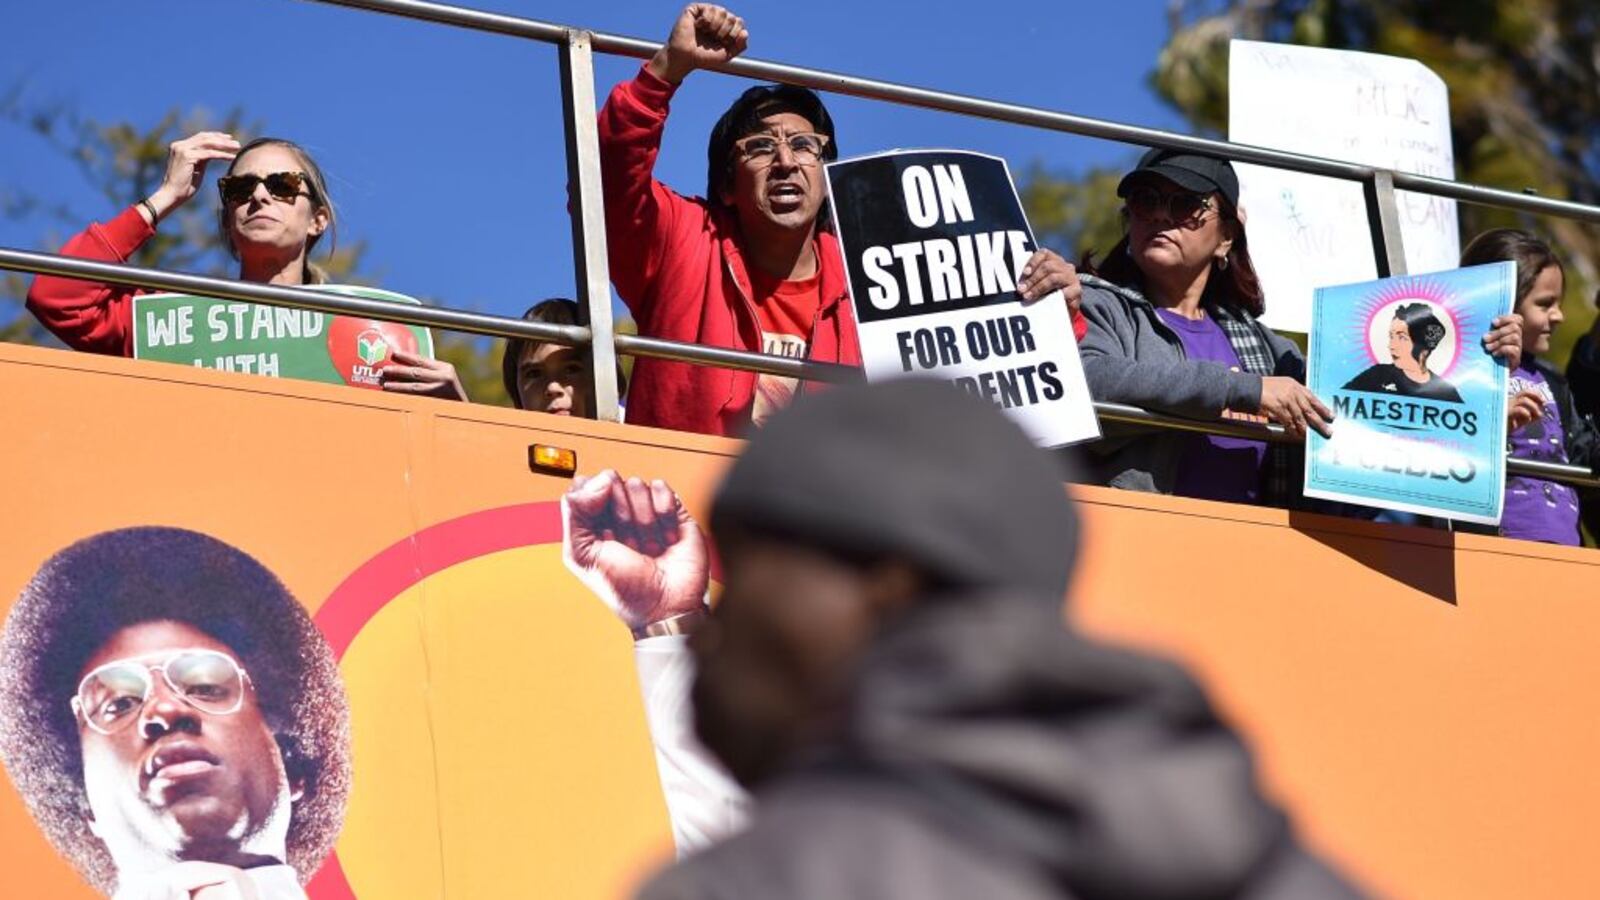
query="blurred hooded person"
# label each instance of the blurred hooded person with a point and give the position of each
(889, 673)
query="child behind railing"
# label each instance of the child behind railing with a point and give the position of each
(1543, 423)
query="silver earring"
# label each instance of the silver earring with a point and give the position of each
(1222, 264)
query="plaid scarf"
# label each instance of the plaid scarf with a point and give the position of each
(1245, 336)
(1280, 481)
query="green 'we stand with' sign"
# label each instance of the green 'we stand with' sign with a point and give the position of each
(266, 340)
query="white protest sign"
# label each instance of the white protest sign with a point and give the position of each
(1307, 231)
(933, 242)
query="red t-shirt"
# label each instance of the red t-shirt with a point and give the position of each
(787, 310)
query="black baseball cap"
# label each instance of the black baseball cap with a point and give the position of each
(1190, 171)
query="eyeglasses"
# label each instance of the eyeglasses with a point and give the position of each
(283, 185)
(1179, 206)
(806, 148)
(110, 698)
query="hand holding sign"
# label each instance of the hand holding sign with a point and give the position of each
(1045, 272)
(703, 35)
(1504, 340)
(635, 545)
(413, 373)
(1292, 405)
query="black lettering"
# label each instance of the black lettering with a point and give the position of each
(926, 350)
(931, 347)
(1052, 385)
(1026, 374)
(999, 338)
(1022, 335)
(986, 381)
(903, 338)
(977, 344)
(1010, 393)
(948, 354)
(1406, 413)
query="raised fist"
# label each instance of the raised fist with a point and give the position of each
(703, 35)
(635, 545)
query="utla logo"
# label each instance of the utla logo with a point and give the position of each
(371, 347)
(361, 348)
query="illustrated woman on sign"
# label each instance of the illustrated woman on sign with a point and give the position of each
(1414, 334)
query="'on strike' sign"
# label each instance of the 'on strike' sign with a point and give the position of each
(933, 242)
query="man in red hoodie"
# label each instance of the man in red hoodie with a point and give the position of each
(753, 266)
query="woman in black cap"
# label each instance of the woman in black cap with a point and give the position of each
(1172, 328)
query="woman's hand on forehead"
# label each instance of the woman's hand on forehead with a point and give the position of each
(186, 168)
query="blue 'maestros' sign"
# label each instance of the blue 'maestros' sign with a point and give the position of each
(1419, 405)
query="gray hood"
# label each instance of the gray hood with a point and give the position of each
(916, 469)
(1106, 768)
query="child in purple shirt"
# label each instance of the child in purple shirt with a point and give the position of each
(1542, 423)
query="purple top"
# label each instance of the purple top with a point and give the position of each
(1538, 510)
(1215, 468)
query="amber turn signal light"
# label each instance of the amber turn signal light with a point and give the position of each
(547, 460)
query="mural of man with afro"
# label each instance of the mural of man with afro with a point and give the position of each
(173, 718)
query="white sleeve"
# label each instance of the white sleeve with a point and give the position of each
(703, 801)
(275, 882)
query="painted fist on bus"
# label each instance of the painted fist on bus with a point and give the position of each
(635, 545)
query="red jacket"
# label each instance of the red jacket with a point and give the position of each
(676, 262)
(88, 315)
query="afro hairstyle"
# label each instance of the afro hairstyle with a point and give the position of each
(86, 593)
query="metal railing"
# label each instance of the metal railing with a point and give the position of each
(579, 336)
(576, 48)
(408, 314)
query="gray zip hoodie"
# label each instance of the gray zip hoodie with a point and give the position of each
(1131, 356)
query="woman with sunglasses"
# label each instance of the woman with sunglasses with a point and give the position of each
(275, 210)
(1172, 328)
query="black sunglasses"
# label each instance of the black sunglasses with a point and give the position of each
(282, 185)
(1178, 206)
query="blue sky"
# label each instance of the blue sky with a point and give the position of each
(443, 146)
